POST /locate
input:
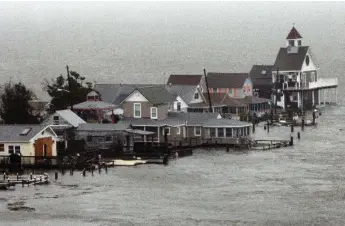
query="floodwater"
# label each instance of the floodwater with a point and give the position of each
(299, 185)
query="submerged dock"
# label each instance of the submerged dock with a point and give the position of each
(9, 181)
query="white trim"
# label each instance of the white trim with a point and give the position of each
(165, 129)
(134, 110)
(156, 112)
(45, 128)
(178, 131)
(197, 135)
(136, 90)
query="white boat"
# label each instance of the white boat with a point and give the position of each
(134, 162)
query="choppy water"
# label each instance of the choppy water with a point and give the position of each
(299, 185)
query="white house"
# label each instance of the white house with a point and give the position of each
(295, 75)
(28, 140)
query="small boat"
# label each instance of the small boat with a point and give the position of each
(133, 162)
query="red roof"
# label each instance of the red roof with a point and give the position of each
(293, 34)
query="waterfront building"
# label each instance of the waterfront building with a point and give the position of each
(296, 76)
(261, 76)
(29, 141)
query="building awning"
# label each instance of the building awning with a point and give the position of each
(139, 132)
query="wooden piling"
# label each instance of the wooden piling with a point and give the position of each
(99, 169)
(166, 159)
(22, 182)
(268, 127)
(84, 172)
(30, 176)
(92, 170)
(56, 175)
(292, 128)
(253, 127)
(291, 140)
(227, 149)
(106, 168)
(302, 124)
(17, 177)
(298, 135)
(4, 176)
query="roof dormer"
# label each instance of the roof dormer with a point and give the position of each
(92, 96)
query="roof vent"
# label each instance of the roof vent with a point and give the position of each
(25, 131)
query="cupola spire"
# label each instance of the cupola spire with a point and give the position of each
(293, 38)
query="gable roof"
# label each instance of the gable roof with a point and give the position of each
(156, 95)
(290, 61)
(187, 80)
(261, 71)
(219, 100)
(226, 80)
(185, 92)
(11, 133)
(261, 75)
(70, 117)
(116, 93)
(293, 34)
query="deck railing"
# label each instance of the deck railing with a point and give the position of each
(323, 82)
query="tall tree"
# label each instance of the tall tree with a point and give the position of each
(64, 93)
(15, 107)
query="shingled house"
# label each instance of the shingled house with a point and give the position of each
(237, 85)
(149, 109)
(296, 76)
(261, 76)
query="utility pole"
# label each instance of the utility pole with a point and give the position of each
(208, 92)
(69, 88)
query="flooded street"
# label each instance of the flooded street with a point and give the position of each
(299, 185)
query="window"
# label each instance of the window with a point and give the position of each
(197, 131)
(137, 110)
(196, 95)
(16, 149)
(299, 42)
(228, 132)
(10, 149)
(56, 120)
(108, 138)
(2, 147)
(220, 132)
(214, 90)
(178, 106)
(153, 113)
(178, 130)
(166, 130)
(212, 132)
(291, 42)
(89, 138)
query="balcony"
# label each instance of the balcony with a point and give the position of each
(319, 84)
(324, 83)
